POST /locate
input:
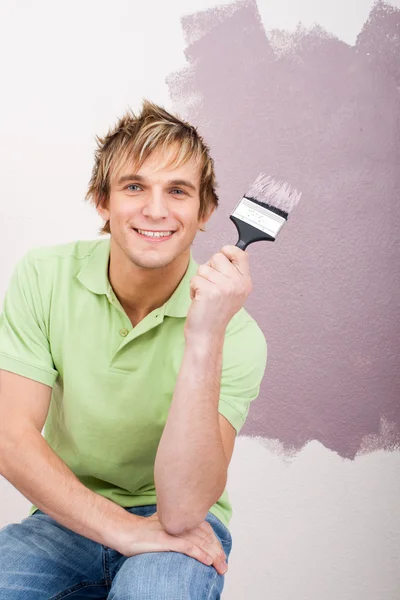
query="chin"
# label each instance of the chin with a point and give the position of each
(151, 262)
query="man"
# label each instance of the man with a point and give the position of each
(142, 366)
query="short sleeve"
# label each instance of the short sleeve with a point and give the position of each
(24, 345)
(243, 367)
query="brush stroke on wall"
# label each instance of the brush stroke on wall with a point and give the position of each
(310, 109)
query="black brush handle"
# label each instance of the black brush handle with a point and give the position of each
(242, 245)
(249, 234)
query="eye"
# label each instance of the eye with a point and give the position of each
(133, 185)
(178, 192)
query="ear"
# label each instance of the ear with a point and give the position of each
(103, 211)
(205, 219)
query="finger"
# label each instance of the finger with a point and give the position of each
(205, 526)
(198, 283)
(211, 274)
(208, 542)
(185, 546)
(197, 549)
(239, 258)
(221, 263)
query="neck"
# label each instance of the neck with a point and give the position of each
(142, 290)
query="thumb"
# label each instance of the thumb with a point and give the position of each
(239, 258)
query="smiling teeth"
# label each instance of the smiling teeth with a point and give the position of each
(155, 233)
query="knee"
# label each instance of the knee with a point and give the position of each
(164, 575)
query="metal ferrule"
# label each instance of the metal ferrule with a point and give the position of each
(259, 217)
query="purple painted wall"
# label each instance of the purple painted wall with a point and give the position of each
(323, 116)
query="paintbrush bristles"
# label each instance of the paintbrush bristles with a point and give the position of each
(279, 194)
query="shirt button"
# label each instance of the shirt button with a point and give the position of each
(123, 332)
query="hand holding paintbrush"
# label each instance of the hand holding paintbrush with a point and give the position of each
(222, 285)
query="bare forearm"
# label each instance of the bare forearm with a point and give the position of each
(190, 467)
(30, 465)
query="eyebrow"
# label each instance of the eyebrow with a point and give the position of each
(135, 177)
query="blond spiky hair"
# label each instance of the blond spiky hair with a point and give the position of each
(134, 138)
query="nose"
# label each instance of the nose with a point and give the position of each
(156, 206)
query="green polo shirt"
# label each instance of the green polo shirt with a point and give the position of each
(112, 384)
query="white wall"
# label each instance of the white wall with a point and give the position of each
(308, 527)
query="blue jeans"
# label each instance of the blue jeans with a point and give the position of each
(42, 560)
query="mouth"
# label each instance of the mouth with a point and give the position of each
(155, 237)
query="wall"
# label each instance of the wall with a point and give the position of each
(308, 92)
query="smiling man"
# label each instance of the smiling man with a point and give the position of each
(142, 366)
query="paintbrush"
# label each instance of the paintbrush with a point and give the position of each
(263, 210)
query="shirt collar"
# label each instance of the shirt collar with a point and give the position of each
(94, 276)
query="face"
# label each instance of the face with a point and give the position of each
(153, 212)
